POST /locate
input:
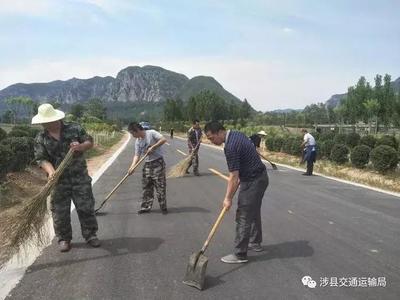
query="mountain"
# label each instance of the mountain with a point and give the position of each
(133, 84)
(200, 83)
(335, 100)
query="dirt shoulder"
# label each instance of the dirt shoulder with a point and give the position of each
(23, 185)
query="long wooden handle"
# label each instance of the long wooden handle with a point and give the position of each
(121, 182)
(126, 176)
(213, 229)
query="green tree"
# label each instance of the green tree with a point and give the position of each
(372, 108)
(77, 110)
(96, 108)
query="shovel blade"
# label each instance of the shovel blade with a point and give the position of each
(196, 270)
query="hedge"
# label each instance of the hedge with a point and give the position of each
(340, 138)
(360, 156)
(388, 140)
(340, 154)
(384, 158)
(352, 139)
(22, 150)
(5, 159)
(327, 136)
(325, 148)
(3, 134)
(368, 140)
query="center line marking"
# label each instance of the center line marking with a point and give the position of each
(219, 174)
(181, 152)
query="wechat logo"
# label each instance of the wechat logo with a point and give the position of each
(308, 281)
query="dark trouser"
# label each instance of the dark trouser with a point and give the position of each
(82, 196)
(154, 179)
(310, 157)
(194, 162)
(248, 213)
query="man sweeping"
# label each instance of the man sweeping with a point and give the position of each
(51, 146)
(153, 178)
(256, 138)
(245, 168)
(309, 147)
(194, 140)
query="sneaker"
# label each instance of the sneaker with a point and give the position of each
(94, 242)
(164, 211)
(234, 259)
(196, 174)
(64, 246)
(143, 211)
(255, 247)
(306, 174)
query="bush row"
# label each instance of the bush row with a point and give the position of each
(382, 153)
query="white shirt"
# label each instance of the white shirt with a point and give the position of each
(309, 139)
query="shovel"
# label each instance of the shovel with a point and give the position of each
(196, 269)
(119, 183)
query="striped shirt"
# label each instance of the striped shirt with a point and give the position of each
(241, 155)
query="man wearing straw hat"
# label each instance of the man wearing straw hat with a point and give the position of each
(256, 138)
(194, 140)
(51, 146)
(245, 168)
(153, 175)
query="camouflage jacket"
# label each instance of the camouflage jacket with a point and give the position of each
(194, 137)
(49, 149)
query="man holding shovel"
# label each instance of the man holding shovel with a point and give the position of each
(245, 168)
(148, 143)
(194, 139)
(51, 146)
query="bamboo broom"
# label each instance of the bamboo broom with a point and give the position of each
(27, 224)
(181, 167)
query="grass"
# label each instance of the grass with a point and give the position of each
(104, 145)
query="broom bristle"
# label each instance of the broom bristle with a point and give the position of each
(180, 168)
(27, 223)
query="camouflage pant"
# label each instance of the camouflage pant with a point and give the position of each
(82, 196)
(154, 179)
(194, 162)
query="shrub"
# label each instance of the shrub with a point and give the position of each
(325, 148)
(278, 143)
(269, 143)
(368, 140)
(5, 158)
(340, 138)
(352, 139)
(360, 156)
(18, 133)
(3, 134)
(339, 154)
(295, 148)
(327, 136)
(384, 158)
(22, 150)
(388, 140)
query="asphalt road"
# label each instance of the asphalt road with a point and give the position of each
(312, 226)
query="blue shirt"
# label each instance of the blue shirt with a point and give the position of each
(241, 155)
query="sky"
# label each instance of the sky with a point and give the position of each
(276, 54)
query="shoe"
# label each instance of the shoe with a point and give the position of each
(306, 174)
(187, 172)
(164, 211)
(64, 246)
(94, 242)
(234, 259)
(143, 211)
(196, 174)
(255, 247)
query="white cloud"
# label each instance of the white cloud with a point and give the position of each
(287, 30)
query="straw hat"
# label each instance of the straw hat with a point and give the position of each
(262, 132)
(47, 114)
